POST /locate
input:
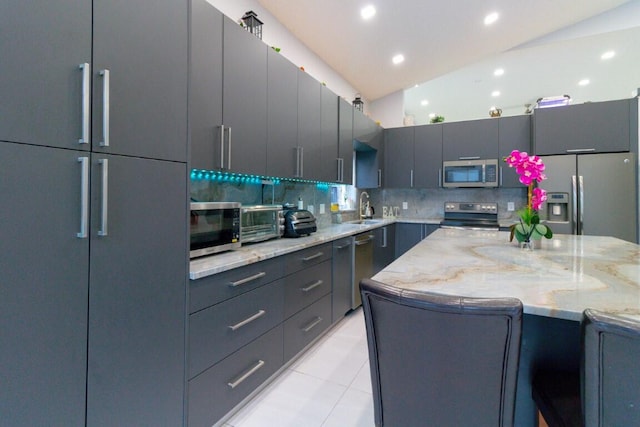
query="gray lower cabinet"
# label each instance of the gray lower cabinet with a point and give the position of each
(306, 325)
(410, 234)
(384, 247)
(342, 277)
(306, 286)
(44, 288)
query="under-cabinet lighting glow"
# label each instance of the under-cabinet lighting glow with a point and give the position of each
(491, 18)
(368, 12)
(398, 59)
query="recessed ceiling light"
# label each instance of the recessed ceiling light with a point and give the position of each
(498, 72)
(432, 115)
(424, 102)
(491, 18)
(583, 82)
(398, 59)
(367, 12)
(608, 55)
(495, 93)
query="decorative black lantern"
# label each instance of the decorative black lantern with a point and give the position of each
(358, 104)
(253, 24)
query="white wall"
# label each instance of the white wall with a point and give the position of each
(388, 110)
(275, 34)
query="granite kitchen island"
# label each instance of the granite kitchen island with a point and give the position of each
(555, 283)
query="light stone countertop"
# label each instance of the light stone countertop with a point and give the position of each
(248, 254)
(562, 278)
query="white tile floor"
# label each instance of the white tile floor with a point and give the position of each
(328, 386)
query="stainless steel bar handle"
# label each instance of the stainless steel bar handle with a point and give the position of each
(574, 204)
(439, 177)
(384, 237)
(343, 246)
(411, 183)
(247, 279)
(297, 174)
(312, 324)
(379, 178)
(309, 258)
(84, 196)
(229, 150)
(581, 150)
(364, 242)
(469, 158)
(581, 213)
(248, 320)
(105, 197)
(312, 286)
(105, 107)
(301, 162)
(241, 378)
(500, 181)
(338, 169)
(86, 102)
(221, 147)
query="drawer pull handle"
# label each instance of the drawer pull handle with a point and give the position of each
(312, 324)
(248, 279)
(241, 378)
(581, 150)
(344, 246)
(312, 286)
(239, 325)
(309, 258)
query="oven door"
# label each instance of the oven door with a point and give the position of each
(214, 227)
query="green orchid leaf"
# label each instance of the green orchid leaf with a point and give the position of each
(549, 233)
(535, 219)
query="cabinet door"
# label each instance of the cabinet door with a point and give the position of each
(309, 138)
(399, 157)
(515, 134)
(384, 247)
(137, 293)
(590, 127)
(205, 91)
(342, 277)
(144, 46)
(43, 291)
(42, 45)
(328, 135)
(407, 236)
(345, 141)
(245, 99)
(428, 156)
(474, 139)
(282, 113)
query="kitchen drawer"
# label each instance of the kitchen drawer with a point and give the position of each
(305, 326)
(219, 287)
(218, 331)
(210, 394)
(305, 287)
(307, 257)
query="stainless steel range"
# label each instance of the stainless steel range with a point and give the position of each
(470, 216)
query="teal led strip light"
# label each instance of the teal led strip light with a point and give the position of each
(240, 178)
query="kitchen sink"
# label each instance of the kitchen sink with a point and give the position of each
(369, 221)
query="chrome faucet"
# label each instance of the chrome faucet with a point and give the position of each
(362, 212)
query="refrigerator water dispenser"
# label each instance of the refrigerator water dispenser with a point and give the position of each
(557, 207)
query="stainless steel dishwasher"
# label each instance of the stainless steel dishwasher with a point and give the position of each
(363, 264)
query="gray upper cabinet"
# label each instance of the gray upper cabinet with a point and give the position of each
(42, 46)
(205, 89)
(473, 139)
(244, 100)
(428, 156)
(139, 75)
(585, 128)
(44, 288)
(282, 113)
(399, 157)
(309, 162)
(329, 147)
(345, 142)
(515, 134)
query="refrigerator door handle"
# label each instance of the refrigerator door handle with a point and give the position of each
(574, 205)
(581, 213)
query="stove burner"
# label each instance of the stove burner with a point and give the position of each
(470, 216)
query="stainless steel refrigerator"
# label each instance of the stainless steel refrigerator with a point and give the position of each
(592, 194)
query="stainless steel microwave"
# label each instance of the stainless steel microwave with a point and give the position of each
(215, 227)
(470, 173)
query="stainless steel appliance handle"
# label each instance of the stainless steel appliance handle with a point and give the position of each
(105, 197)
(484, 173)
(105, 107)
(247, 279)
(574, 204)
(241, 378)
(364, 242)
(379, 178)
(469, 158)
(581, 150)
(248, 320)
(84, 196)
(86, 102)
(312, 286)
(312, 324)
(221, 147)
(229, 150)
(411, 184)
(309, 258)
(343, 246)
(581, 218)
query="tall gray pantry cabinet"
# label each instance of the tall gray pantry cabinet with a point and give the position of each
(93, 191)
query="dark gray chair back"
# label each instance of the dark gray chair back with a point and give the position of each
(611, 370)
(441, 360)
